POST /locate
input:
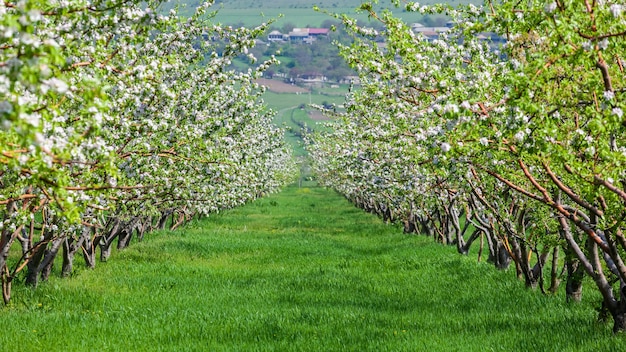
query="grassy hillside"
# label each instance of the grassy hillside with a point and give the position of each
(302, 270)
(297, 12)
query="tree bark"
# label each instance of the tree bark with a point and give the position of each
(71, 246)
(113, 229)
(163, 220)
(40, 264)
(6, 240)
(125, 236)
(574, 281)
(49, 258)
(554, 272)
(619, 311)
(33, 266)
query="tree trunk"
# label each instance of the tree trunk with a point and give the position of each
(619, 322)
(619, 311)
(482, 244)
(182, 217)
(6, 240)
(554, 272)
(40, 264)
(89, 251)
(105, 250)
(163, 220)
(409, 226)
(33, 266)
(26, 241)
(114, 227)
(6, 285)
(70, 247)
(574, 281)
(124, 237)
(426, 228)
(49, 258)
(143, 226)
(69, 250)
(502, 257)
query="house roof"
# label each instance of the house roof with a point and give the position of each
(319, 30)
(298, 34)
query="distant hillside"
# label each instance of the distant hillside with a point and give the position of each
(297, 12)
(304, 4)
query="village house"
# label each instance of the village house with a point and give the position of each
(431, 33)
(276, 36)
(299, 35)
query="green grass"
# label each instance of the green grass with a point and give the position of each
(299, 271)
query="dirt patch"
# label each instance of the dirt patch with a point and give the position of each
(280, 87)
(318, 116)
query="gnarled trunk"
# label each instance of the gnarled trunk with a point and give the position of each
(71, 246)
(6, 240)
(574, 281)
(554, 272)
(619, 313)
(113, 229)
(40, 264)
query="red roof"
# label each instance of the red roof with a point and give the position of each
(319, 30)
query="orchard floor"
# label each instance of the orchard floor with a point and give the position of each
(302, 270)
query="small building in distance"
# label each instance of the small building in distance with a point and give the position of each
(431, 33)
(276, 36)
(299, 35)
(318, 32)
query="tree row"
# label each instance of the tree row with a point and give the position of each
(514, 150)
(115, 122)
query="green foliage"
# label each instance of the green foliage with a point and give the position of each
(300, 270)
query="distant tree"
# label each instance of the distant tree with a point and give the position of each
(288, 27)
(330, 24)
(269, 73)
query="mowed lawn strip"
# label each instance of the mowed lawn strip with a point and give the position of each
(302, 270)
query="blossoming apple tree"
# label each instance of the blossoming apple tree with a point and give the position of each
(519, 144)
(116, 118)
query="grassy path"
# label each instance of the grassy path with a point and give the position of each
(300, 271)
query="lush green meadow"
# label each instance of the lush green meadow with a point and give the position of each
(302, 270)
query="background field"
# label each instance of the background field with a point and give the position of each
(298, 12)
(291, 104)
(302, 270)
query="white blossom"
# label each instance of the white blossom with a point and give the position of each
(55, 85)
(603, 44)
(6, 107)
(32, 119)
(550, 7)
(616, 10)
